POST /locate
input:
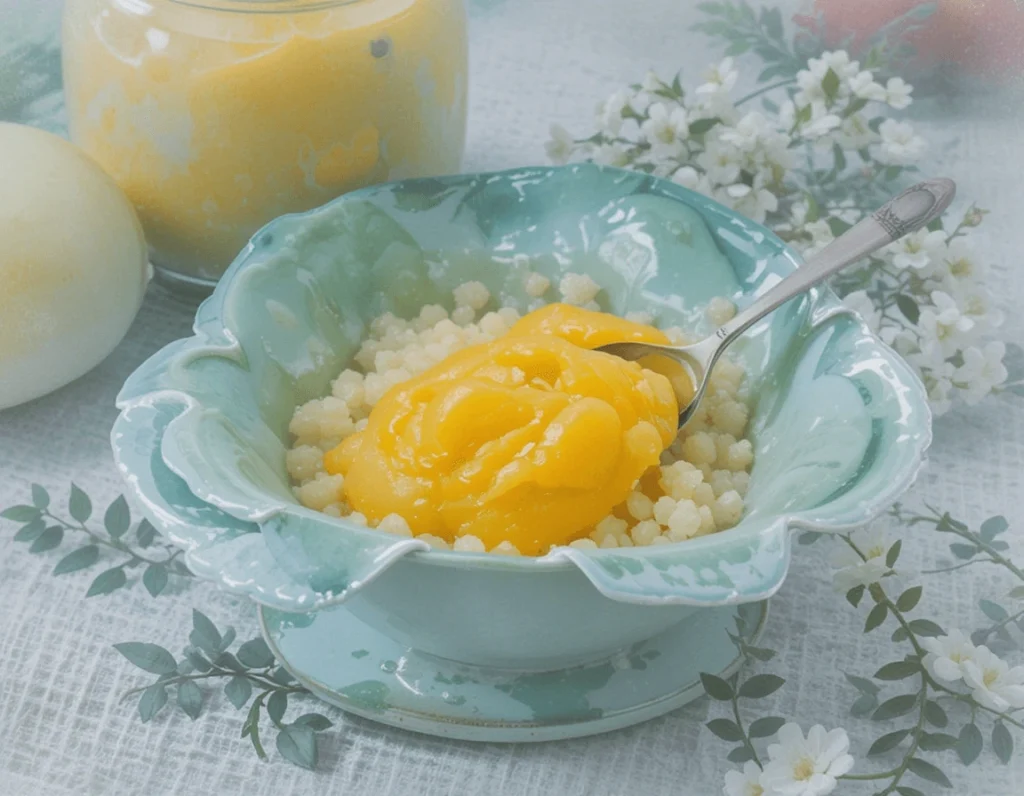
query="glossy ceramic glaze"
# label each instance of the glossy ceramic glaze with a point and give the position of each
(839, 424)
(354, 666)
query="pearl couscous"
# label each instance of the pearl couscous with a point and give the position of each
(697, 488)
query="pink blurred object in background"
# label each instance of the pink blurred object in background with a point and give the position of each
(983, 38)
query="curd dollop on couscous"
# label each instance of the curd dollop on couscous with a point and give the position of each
(510, 435)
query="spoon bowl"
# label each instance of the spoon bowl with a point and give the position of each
(908, 212)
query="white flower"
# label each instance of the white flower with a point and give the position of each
(855, 133)
(721, 162)
(809, 766)
(938, 382)
(559, 149)
(982, 370)
(944, 323)
(960, 261)
(975, 303)
(900, 145)
(861, 303)
(897, 93)
(689, 177)
(994, 684)
(611, 155)
(821, 125)
(851, 569)
(719, 79)
(665, 128)
(745, 783)
(754, 203)
(609, 113)
(748, 132)
(921, 250)
(652, 82)
(864, 86)
(947, 654)
(839, 62)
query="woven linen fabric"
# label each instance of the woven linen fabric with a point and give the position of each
(63, 726)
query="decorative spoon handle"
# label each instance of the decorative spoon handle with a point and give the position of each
(914, 208)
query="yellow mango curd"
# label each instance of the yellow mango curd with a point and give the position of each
(216, 116)
(531, 439)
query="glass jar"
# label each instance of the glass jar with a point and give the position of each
(216, 116)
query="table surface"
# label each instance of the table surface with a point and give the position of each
(63, 727)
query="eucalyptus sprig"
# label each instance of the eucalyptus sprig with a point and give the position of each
(249, 675)
(43, 529)
(951, 692)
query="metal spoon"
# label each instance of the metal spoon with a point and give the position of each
(901, 215)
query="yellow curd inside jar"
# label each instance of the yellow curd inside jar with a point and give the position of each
(216, 116)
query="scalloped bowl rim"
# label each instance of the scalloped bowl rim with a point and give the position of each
(211, 310)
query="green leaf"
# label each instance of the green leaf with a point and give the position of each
(963, 551)
(925, 627)
(935, 225)
(837, 225)
(863, 705)
(897, 706)
(31, 531)
(255, 654)
(740, 754)
(906, 790)
(297, 744)
(79, 505)
(716, 687)
(251, 728)
(701, 126)
(892, 173)
(151, 658)
(761, 653)
(839, 156)
(909, 599)
(854, 595)
(277, 705)
(936, 742)
(887, 742)
(80, 559)
(726, 729)
(862, 684)
(898, 670)
(993, 611)
(152, 700)
(969, 744)
(857, 104)
(106, 582)
(190, 699)
(154, 579)
(20, 513)
(992, 527)
(908, 307)
(145, 533)
(118, 518)
(1002, 742)
(228, 661)
(315, 721)
(830, 84)
(926, 770)
(900, 634)
(894, 552)
(205, 634)
(738, 47)
(47, 540)
(1017, 593)
(282, 676)
(761, 685)
(40, 497)
(808, 537)
(876, 617)
(935, 714)
(766, 726)
(238, 690)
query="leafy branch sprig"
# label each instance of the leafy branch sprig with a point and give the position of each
(250, 670)
(742, 30)
(43, 529)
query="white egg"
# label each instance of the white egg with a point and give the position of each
(73, 265)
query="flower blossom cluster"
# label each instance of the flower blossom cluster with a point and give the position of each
(811, 165)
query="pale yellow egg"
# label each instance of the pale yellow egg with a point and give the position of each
(73, 265)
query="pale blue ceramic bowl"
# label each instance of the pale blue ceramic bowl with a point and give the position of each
(840, 424)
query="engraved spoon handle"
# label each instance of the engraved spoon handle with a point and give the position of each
(914, 208)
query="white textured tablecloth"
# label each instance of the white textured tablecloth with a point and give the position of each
(63, 729)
